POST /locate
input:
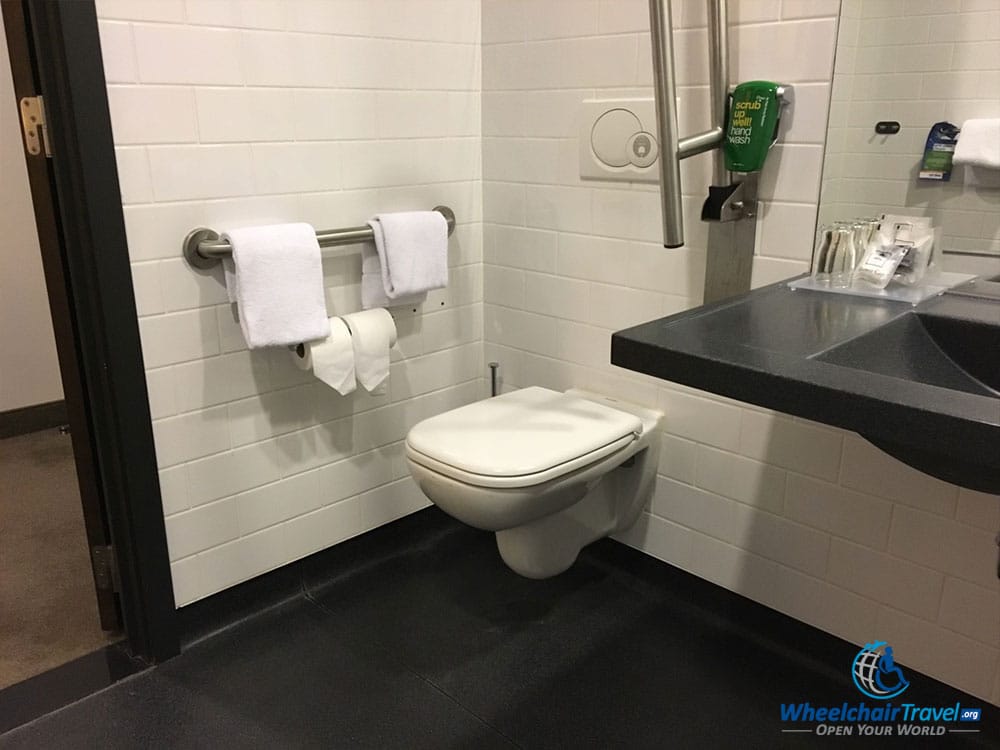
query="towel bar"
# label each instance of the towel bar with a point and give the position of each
(204, 249)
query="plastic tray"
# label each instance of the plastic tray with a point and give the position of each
(941, 282)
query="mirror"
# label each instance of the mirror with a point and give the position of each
(916, 63)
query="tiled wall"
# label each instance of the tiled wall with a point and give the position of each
(230, 112)
(802, 517)
(917, 63)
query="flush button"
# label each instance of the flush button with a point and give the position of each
(610, 136)
(642, 149)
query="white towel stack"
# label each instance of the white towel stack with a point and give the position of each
(275, 277)
(410, 257)
(978, 149)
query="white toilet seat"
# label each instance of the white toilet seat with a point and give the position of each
(521, 439)
(518, 480)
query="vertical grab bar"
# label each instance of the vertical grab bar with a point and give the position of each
(718, 81)
(665, 96)
(672, 147)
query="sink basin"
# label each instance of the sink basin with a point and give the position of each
(962, 355)
(952, 353)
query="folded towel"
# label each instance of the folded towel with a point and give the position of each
(979, 144)
(372, 290)
(275, 278)
(412, 252)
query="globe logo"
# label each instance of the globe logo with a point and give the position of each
(875, 672)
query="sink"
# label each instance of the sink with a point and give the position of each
(962, 355)
(953, 353)
(920, 382)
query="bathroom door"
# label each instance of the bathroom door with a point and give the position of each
(103, 562)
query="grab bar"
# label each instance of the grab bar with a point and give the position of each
(672, 146)
(204, 249)
(665, 96)
(718, 82)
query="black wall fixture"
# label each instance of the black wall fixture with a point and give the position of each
(887, 127)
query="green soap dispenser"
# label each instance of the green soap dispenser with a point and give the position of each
(754, 113)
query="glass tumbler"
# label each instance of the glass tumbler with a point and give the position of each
(821, 254)
(843, 256)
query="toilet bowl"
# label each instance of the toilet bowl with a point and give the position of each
(549, 472)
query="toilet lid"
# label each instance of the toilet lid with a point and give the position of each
(524, 432)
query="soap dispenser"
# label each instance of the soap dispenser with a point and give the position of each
(752, 124)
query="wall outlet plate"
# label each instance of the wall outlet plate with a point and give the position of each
(618, 140)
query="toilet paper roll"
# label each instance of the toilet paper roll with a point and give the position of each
(373, 333)
(330, 359)
(302, 356)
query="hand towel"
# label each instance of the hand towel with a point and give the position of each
(412, 251)
(372, 290)
(979, 144)
(276, 280)
(332, 359)
(373, 333)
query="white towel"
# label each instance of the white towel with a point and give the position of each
(411, 248)
(979, 144)
(276, 280)
(373, 333)
(372, 290)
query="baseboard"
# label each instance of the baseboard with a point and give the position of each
(217, 612)
(32, 418)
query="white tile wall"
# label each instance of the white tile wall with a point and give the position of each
(229, 112)
(943, 64)
(801, 517)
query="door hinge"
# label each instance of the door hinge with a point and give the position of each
(36, 130)
(105, 567)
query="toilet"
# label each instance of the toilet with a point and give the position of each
(549, 472)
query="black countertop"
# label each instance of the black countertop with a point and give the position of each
(767, 348)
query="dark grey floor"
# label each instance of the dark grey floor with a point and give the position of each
(438, 645)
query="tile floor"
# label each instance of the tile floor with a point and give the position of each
(435, 644)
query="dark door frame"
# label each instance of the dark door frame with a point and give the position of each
(55, 51)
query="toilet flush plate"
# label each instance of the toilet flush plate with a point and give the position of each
(618, 141)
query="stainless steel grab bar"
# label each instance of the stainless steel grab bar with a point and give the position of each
(204, 249)
(665, 96)
(672, 147)
(718, 81)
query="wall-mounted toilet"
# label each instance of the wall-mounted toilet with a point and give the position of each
(549, 472)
